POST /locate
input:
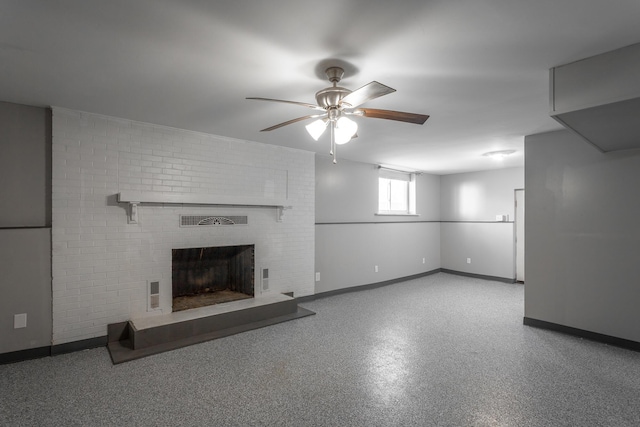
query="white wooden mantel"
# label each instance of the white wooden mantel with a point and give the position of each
(135, 198)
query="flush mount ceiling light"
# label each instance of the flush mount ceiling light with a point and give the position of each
(499, 155)
(336, 103)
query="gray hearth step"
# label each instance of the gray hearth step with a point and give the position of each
(146, 336)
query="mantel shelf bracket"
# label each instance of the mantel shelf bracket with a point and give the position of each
(280, 212)
(133, 213)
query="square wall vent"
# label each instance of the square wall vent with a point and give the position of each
(153, 295)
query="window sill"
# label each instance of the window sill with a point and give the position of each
(394, 214)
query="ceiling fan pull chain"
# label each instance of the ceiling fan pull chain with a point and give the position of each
(331, 144)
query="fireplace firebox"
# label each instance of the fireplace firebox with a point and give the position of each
(211, 275)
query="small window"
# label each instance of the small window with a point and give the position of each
(396, 193)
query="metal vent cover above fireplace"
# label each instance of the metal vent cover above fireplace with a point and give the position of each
(211, 220)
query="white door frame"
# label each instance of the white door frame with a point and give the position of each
(519, 235)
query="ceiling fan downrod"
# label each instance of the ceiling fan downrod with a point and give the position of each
(330, 98)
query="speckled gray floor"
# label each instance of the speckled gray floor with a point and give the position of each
(437, 351)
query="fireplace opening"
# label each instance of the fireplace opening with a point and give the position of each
(212, 275)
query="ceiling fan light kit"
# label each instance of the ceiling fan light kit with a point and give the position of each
(337, 103)
(316, 128)
(345, 129)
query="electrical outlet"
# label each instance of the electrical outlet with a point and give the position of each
(317, 276)
(424, 260)
(20, 321)
(468, 260)
(375, 268)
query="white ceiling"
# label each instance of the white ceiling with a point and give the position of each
(478, 67)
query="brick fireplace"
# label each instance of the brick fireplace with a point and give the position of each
(103, 262)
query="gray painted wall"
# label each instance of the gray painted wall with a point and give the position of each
(351, 240)
(469, 205)
(480, 196)
(25, 166)
(348, 192)
(583, 237)
(346, 254)
(25, 286)
(490, 246)
(25, 221)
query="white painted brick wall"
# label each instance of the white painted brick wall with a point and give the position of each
(101, 264)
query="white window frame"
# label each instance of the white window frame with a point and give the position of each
(410, 178)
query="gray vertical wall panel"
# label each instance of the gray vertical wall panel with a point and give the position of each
(25, 252)
(583, 236)
(25, 286)
(25, 166)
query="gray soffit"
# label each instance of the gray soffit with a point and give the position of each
(598, 98)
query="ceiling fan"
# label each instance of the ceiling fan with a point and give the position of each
(336, 103)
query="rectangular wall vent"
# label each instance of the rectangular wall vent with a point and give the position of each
(153, 295)
(208, 220)
(265, 279)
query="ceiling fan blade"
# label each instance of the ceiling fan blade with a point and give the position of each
(366, 93)
(303, 104)
(288, 122)
(400, 116)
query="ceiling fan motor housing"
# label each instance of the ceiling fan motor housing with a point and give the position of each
(330, 97)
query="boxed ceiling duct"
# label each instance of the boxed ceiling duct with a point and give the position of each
(599, 98)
